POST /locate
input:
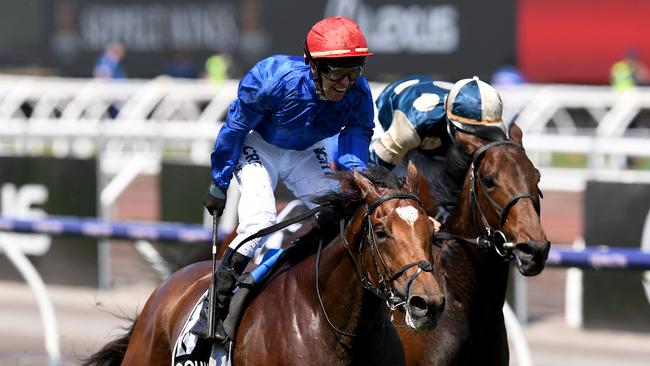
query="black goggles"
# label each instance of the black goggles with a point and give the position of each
(334, 73)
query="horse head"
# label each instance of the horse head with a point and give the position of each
(501, 187)
(391, 239)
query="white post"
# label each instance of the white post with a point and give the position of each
(645, 247)
(516, 336)
(45, 308)
(520, 298)
(573, 291)
(108, 195)
(103, 248)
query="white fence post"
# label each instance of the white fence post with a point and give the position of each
(48, 318)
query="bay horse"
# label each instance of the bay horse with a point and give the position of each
(320, 307)
(495, 187)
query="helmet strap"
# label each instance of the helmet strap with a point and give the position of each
(451, 129)
(318, 78)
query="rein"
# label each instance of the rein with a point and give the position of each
(277, 227)
(490, 238)
(386, 277)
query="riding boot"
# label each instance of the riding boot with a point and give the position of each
(226, 279)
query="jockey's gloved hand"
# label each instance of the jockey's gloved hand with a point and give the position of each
(373, 158)
(214, 200)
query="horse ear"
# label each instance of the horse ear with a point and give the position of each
(515, 133)
(412, 178)
(368, 190)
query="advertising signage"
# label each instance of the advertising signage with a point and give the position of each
(616, 215)
(568, 41)
(35, 187)
(448, 39)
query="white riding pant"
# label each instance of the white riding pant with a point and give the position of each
(260, 167)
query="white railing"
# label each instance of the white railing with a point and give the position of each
(179, 119)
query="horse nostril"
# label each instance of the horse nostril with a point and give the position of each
(418, 306)
(524, 249)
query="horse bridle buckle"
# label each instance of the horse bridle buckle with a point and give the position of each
(394, 302)
(502, 246)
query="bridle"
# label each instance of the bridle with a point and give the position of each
(385, 275)
(491, 237)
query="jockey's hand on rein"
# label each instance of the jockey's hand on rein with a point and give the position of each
(214, 200)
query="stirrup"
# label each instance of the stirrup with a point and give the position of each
(220, 335)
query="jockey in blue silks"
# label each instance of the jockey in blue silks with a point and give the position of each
(274, 131)
(421, 115)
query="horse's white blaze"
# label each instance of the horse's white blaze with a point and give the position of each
(408, 213)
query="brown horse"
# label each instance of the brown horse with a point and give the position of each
(495, 187)
(320, 307)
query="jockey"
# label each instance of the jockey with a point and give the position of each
(285, 107)
(418, 113)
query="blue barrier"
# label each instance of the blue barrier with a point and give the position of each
(598, 258)
(559, 256)
(93, 228)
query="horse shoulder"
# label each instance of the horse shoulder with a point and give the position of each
(280, 312)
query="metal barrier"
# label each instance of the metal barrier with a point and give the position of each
(560, 255)
(101, 229)
(598, 258)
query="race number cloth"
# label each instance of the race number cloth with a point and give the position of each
(191, 350)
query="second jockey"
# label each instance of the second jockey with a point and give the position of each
(285, 107)
(420, 117)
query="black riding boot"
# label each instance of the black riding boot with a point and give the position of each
(226, 278)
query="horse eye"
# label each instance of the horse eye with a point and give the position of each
(380, 233)
(489, 182)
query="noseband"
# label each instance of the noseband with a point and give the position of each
(492, 238)
(386, 277)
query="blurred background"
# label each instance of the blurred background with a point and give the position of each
(109, 110)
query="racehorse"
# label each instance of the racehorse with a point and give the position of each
(321, 306)
(496, 219)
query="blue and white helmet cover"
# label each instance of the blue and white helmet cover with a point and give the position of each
(475, 106)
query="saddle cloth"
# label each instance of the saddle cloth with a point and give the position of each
(190, 350)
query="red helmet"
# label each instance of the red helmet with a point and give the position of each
(336, 37)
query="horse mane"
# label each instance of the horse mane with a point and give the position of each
(338, 204)
(446, 181)
(343, 203)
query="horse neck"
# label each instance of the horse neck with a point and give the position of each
(478, 275)
(350, 308)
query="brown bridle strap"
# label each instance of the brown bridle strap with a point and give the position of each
(490, 236)
(385, 293)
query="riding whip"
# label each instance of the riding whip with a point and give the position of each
(213, 282)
